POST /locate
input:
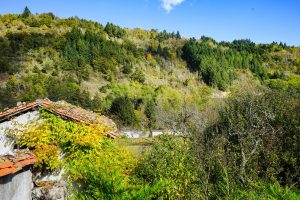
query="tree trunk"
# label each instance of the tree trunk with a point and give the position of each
(243, 175)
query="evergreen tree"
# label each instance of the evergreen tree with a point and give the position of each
(26, 12)
(123, 108)
(150, 113)
(178, 36)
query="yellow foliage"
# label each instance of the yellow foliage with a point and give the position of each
(33, 136)
(48, 156)
(83, 150)
(44, 27)
(51, 136)
(149, 56)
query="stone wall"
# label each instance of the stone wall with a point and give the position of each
(6, 145)
(50, 190)
(16, 186)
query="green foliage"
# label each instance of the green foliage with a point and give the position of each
(98, 168)
(123, 108)
(26, 12)
(268, 192)
(92, 49)
(170, 162)
(36, 86)
(114, 30)
(217, 65)
(138, 76)
(104, 174)
(249, 150)
(55, 135)
(150, 113)
(164, 35)
(290, 83)
(127, 69)
(243, 46)
(79, 48)
(164, 52)
(106, 66)
(252, 127)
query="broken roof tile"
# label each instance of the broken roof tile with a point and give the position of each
(10, 164)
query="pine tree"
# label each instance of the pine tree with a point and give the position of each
(150, 113)
(26, 13)
(178, 36)
(123, 108)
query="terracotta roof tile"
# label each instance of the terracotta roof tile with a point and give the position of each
(64, 110)
(10, 164)
(6, 171)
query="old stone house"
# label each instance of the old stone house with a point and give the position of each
(15, 175)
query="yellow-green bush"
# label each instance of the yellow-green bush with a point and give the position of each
(99, 168)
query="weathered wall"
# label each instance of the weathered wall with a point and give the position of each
(16, 186)
(50, 190)
(6, 145)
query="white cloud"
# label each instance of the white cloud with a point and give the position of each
(168, 5)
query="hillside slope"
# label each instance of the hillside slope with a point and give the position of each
(97, 67)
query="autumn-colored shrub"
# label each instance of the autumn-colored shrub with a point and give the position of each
(92, 160)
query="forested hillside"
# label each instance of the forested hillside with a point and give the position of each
(234, 106)
(92, 65)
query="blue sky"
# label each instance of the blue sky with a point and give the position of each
(262, 21)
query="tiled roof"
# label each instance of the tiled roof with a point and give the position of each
(11, 164)
(64, 110)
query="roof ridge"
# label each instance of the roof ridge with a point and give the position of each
(62, 109)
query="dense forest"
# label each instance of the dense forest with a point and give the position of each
(233, 108)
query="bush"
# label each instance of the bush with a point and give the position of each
(138, 76)
(127, 69)
(269, 191)
(97, 168)
(170, 162)
(123, 108)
